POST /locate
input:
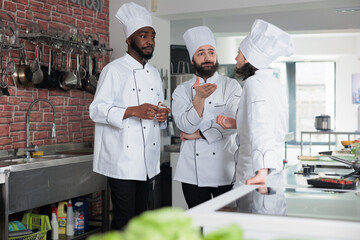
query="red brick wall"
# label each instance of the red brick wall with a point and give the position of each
(73, 124)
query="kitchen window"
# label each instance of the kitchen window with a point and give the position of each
(311, 92)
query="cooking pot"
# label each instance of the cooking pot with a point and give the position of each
(322, 122)
(23, 71)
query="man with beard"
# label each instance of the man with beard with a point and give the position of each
(262, 117)
(206, 165)
(128, 118)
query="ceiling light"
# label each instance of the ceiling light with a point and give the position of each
(349, 9)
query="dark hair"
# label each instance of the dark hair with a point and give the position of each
(246, 71)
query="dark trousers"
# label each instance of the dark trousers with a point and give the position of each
(129, 199)
(195, 195)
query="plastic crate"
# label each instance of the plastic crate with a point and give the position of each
(34, 221)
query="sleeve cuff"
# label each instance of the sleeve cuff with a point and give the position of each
(192, 117)
(115, 116)
(211, 134)
(269, 160)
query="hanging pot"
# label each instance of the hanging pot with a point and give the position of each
(24, 73)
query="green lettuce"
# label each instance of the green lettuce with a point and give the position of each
(232, 232)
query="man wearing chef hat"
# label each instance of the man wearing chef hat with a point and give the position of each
(127, 118)
(206, 165)
(262, 117)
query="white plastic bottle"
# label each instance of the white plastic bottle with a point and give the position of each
(70, 220)
(54, 227)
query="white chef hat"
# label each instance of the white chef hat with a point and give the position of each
(197, 37)
(133, 17)
(265, 43)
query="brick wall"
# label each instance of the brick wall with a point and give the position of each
(73, 124)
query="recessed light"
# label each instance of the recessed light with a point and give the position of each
(349, 9)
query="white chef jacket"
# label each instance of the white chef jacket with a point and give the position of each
(210, 162)
(129, 148)
(262, 124)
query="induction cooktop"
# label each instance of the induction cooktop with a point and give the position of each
(299, 202)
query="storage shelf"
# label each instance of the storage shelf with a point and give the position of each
(92, 231)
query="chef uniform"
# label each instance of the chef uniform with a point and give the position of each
(127, 149)
(206, 162)
(262, 117)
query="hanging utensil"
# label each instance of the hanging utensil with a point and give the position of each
(37, 74)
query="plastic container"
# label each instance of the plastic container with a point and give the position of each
(85, 209)
(34, 221)
(61, 217)
(79, 221)
(70, 220)
(54, 226)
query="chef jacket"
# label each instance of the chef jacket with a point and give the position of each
(126, 148)
(206, 162)
(262, 124)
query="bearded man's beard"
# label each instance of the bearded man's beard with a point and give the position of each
(140, 52)
(206, 72)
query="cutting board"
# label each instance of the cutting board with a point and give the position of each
(324, 160)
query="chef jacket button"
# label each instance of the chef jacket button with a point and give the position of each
(133, 89)
(144, 127)
(213, 153)
(154, 125)
(152, 89)
(209, 102)
(147, 71)
(154, 144)
(139, 90)
(193, 87)
(127, 146)
(197, 154)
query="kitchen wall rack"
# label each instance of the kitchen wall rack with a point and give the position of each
(58, 42)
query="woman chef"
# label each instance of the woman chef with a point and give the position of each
(262, 115)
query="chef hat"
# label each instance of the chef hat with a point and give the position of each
(265, 43)
(197, 37)
(133, 17)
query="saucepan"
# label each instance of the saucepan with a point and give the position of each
(23, 71)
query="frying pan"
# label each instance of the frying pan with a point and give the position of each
(48, 80)
(355, 164)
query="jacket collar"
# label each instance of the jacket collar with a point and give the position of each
(134, 63)
(212, 79)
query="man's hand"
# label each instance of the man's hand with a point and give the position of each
(162, 113)
(205, 90)
(259, 178)
(186, 136)
(202, 92)
(144, 111)
(226, 122)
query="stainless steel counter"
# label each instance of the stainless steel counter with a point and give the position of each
(48, 180)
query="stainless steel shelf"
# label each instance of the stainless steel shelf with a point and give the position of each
(324, 133)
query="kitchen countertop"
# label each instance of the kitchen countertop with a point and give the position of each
(296, 210)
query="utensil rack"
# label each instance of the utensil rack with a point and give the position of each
(48, 39)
